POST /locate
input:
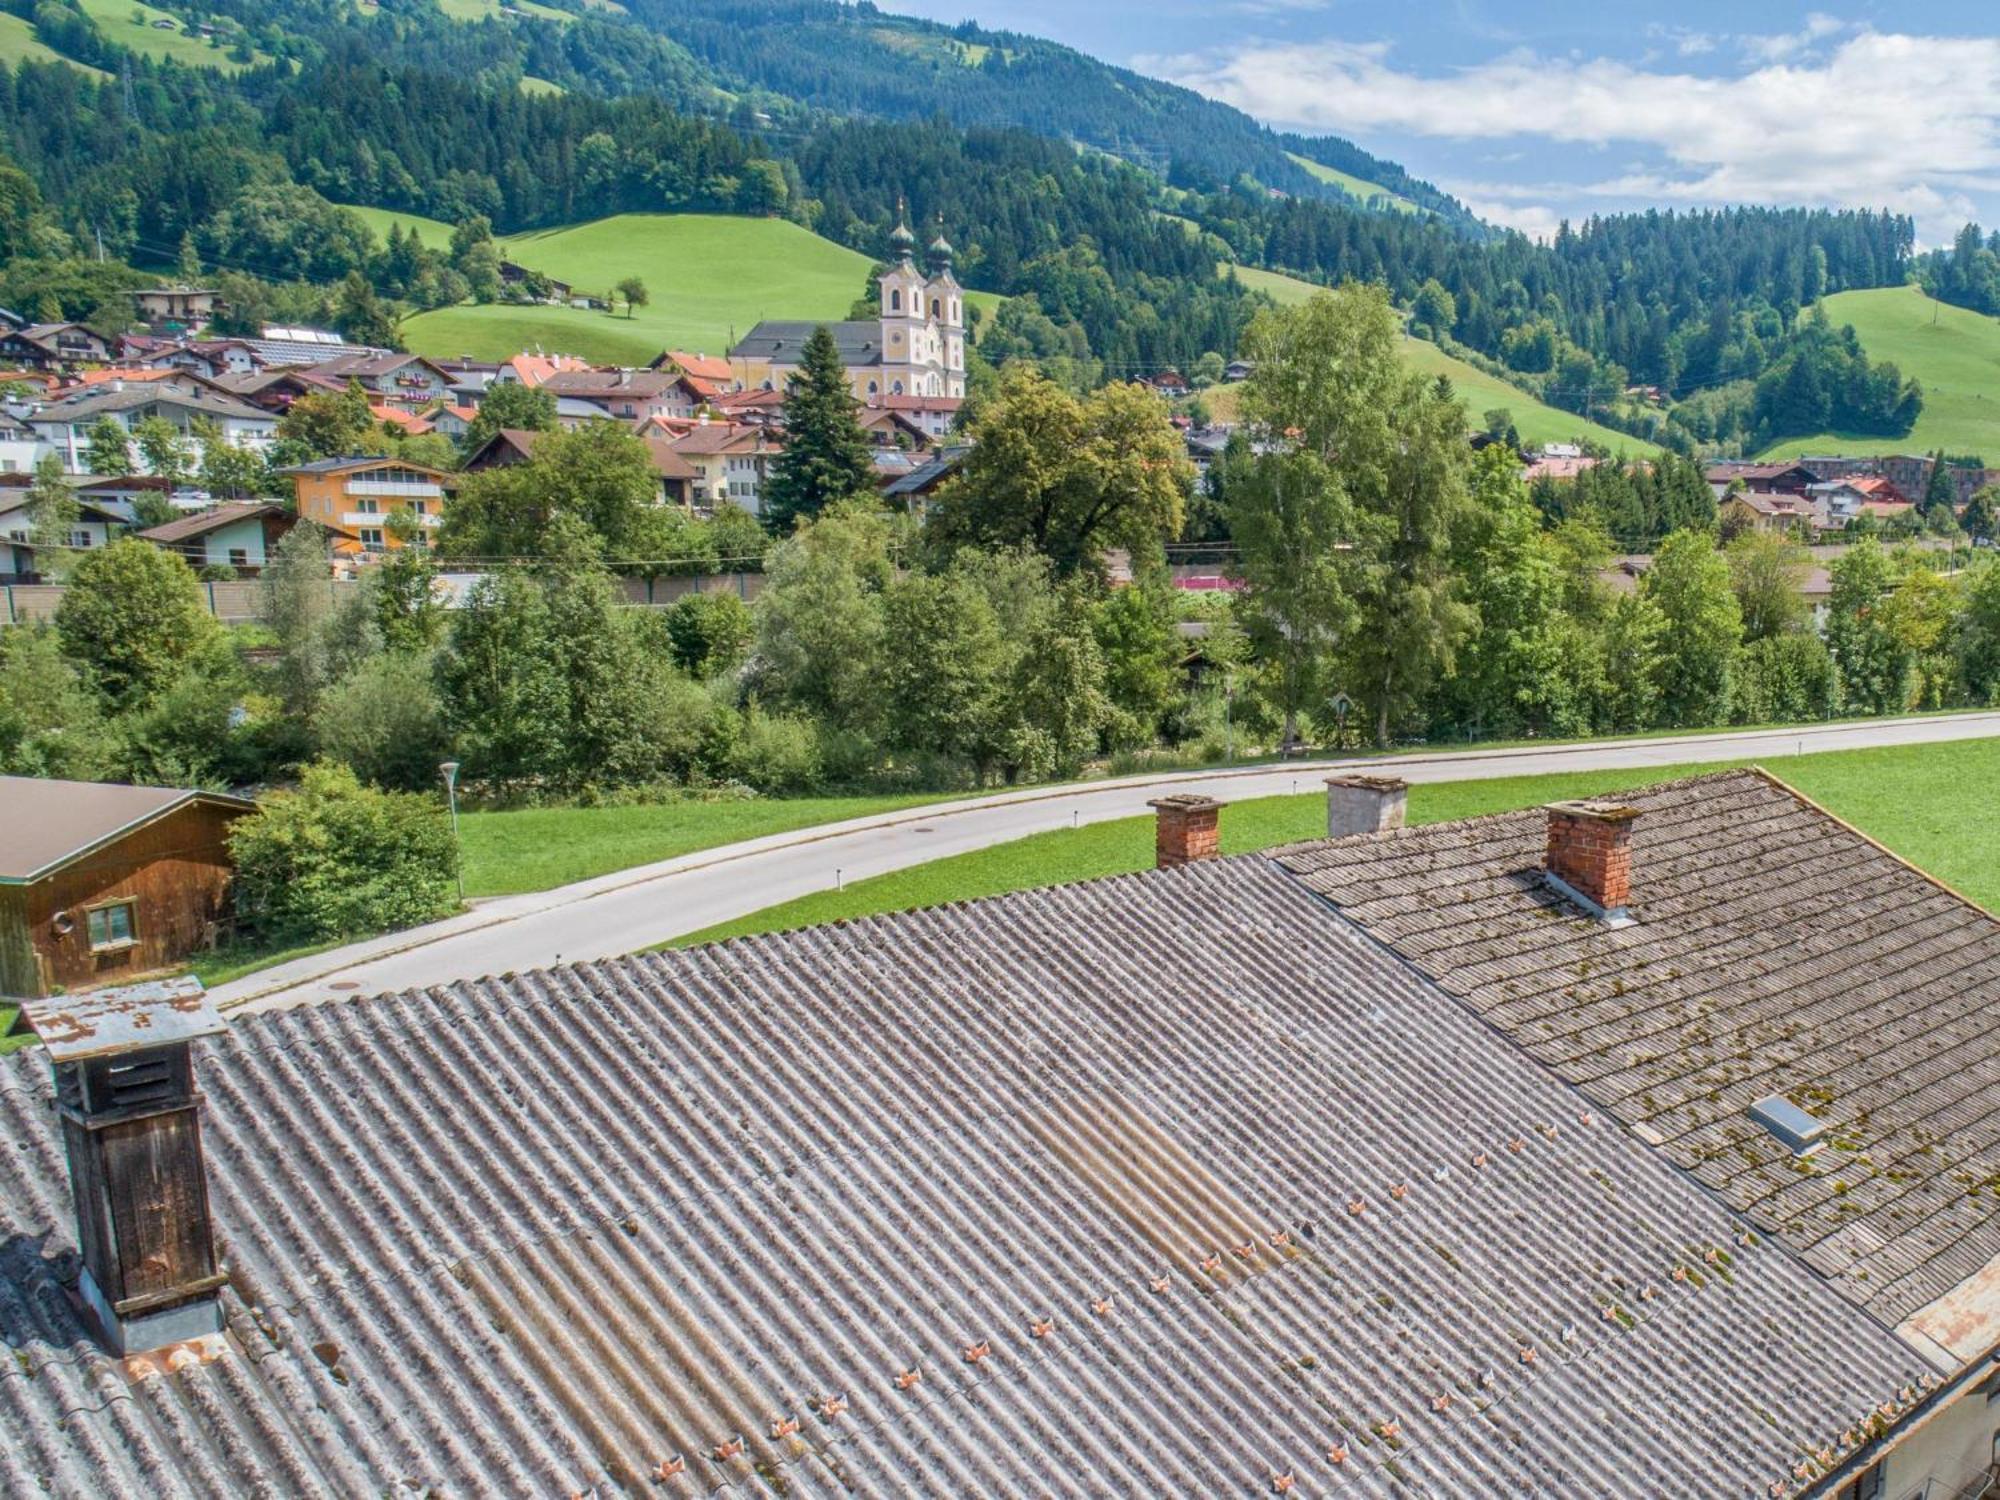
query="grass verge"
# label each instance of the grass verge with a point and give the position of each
(1910, 798)
(538, 848)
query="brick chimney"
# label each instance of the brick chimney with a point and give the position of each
(131, 1125)
(1188, 828)
(1364, 804)
(1590, 856)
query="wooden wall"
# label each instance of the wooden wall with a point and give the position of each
(176, 869)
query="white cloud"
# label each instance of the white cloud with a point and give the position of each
(1875, 120)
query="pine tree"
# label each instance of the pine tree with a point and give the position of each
(826, 456)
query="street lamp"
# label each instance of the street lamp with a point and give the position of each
(449, 771)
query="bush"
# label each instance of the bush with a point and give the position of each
(336, 859)
(384, 722)
(1784, 678)
(776, 752)
(710, 633)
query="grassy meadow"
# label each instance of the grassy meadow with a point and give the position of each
(1952, 352)
(710, 278)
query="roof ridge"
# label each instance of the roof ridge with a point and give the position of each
(1833, 817)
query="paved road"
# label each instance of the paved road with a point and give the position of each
(636, 908)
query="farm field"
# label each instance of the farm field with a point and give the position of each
(1952, 352)
(1536, 422)
(710, 277)
(1907, 797)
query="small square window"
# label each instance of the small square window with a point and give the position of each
(110, 927)
(239, 557)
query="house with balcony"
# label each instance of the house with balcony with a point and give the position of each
(65, 425)
(364, 496)
(731, 462)
(395, 379)
(94, 526)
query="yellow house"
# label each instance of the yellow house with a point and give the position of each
(360, 495)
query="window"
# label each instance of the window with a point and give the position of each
(79, 539)
(239, 557)
(934, 307)
(110, 927)
(895, 301)
(368, 506)
(1870, 1484)
(371, 538)
(420, 507)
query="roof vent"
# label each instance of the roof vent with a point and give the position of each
(1801, 1132)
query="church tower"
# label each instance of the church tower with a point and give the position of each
(904, 326)
(944, 307)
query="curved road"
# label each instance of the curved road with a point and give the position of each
(636, 908)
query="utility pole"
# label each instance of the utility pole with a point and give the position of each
(449, 771)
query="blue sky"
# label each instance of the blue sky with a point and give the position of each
(1537, 110)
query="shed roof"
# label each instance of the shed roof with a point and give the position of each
(46, 824)
(202, 522)
(1777, 951)
(1158, 1185)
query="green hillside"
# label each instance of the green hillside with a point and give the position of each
(1953, 353)
(710, 276)
(18, 44)
(1357, 188)
(136, 26)
(1536, 422)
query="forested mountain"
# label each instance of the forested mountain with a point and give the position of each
(1684, 328)
(856, 60)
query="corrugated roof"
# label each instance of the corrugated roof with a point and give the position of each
(1164, 1185)
(45, 824)
(1776, 952)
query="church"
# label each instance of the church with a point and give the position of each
(915, 348)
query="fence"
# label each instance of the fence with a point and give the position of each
(242, 602)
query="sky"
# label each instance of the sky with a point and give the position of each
(1534, 111)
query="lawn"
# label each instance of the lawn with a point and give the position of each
(1358, 188)
(479, 10)
(710, 276)
(536, 849)
(115, 21)
(1954, 354)
(1911, 798)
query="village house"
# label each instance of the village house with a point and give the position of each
(175, 307)
(916, 347)
(627, 395)
(239, 535)
(65, 425)
(94, 527)
(52, 346)
(394, 379)
(936, 415)
(1760, 479)
(731, 462)
(363, 495)
(678, 477)
(100, 884)
(1767, 511)
(1492, 1157)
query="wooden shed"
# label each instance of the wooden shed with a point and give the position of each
(102, 883)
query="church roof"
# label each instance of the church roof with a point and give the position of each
(780, 341)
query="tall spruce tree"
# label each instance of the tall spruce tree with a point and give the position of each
(826, 456)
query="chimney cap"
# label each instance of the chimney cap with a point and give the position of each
(1596, 811)
(1370, 783)
(1184, 802)
(131, 1018)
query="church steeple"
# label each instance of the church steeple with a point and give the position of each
(940, 251)
(902, 243)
